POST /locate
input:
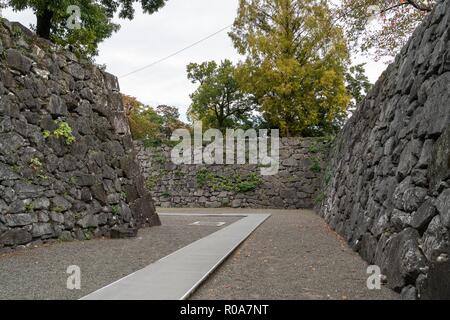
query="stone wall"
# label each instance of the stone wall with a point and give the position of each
(389, 192)
(295, 186)
(67, 165)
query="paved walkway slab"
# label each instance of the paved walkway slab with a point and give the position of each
(41, 272)
(176, 276)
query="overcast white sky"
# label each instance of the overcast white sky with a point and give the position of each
(149, 38)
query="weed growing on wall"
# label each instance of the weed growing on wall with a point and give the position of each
(208, 179)
(63, 131)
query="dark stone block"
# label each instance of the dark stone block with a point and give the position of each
(439, 169)
(436, 286)
(409, 293)
(144, 211)
(423, 216)
(402, 259)
(15, 237)
(443, 206)
(123, 233)
(18, 61)
(99, 193)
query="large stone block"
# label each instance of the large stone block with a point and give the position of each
(17, 61)
(15, 237)
(439, 169)
(402, 260)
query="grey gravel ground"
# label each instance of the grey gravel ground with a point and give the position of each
(40, 273)
(293, 255)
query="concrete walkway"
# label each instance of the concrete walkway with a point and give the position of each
(176, 276)
(293, 255)
(40, 273)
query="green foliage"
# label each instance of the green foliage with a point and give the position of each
(42, 177)
(252, 182)
(207, 179)
(295, 66)
(73, 181)
(152, 182)
(322, 145)
(159, 158)
(315, 167)
(115, 210)
(58, 209)
(15, 168)
(358, 85)
(321, 148)
(35, 163)
(29, 207)
(218, 102)
(320, 198)
(203, 176)
(96, 19)
(16, 32)
(170, 117)
(46, 134)
(37, 166)
(63, 131)
(179, 173)
(87, 234)
(314, 148)
(153, 127)
(382, 33)
(152, 142)
(328, 176)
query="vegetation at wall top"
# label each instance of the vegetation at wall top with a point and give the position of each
(96, 19)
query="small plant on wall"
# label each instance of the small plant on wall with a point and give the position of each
(315, 167)
(64, 131)
(236, 183)
(151, 182)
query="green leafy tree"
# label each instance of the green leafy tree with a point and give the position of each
(171, 120)
(144, 121)
(381, 27)
(358, 85)
(218, 102)
(296, 63)
(96, 19)
(152, 125)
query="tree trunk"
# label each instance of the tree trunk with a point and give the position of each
(44, 23)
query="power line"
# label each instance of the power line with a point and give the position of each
(175, 53)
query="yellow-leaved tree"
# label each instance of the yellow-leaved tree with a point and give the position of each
(296, 61)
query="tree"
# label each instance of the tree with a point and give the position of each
(381, 25)
(218, 102)
(95, 15)
(144, 121)
(296, 63)
(171, 120)
(358, 85)
(152, 126)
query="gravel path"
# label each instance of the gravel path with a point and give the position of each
(40, 273)
(293, 255)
